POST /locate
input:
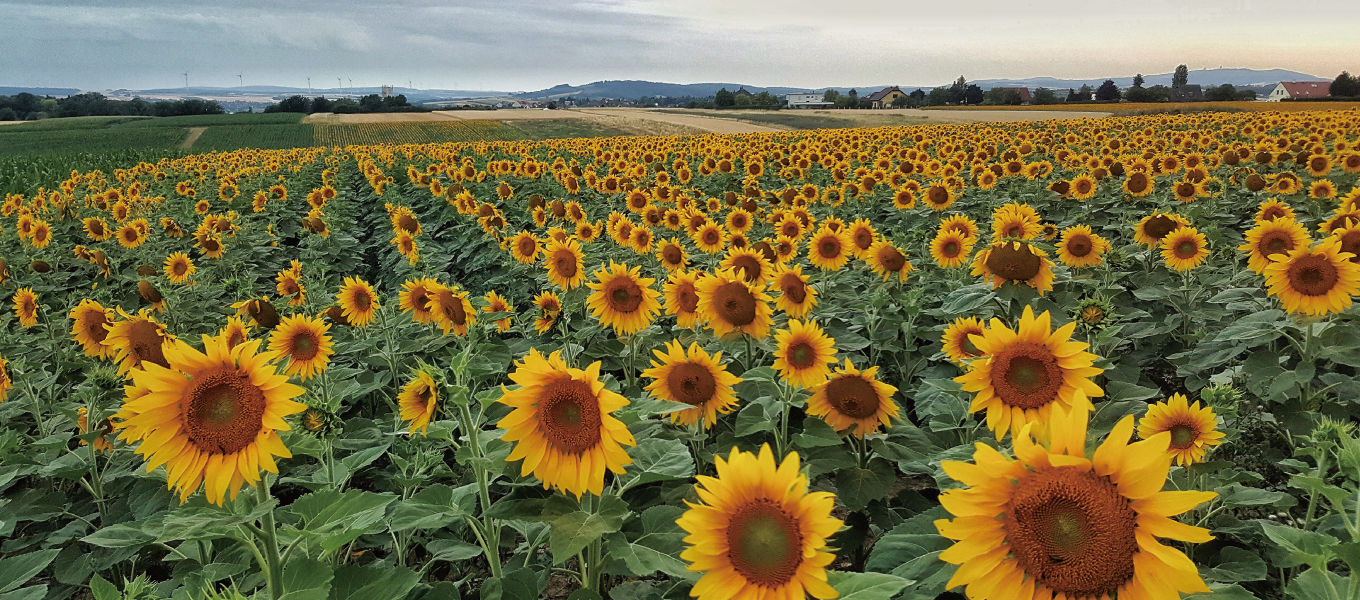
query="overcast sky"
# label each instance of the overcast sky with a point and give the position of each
(521, 45)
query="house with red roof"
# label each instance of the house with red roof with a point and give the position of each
(1299, 89)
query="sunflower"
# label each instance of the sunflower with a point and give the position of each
(671, 255)
(862, 237)
(89, 327)
(549, 308)
(710, 238)
(451, 309)
(358, 301)
(418, 400)
(1270, 237)
(803, 353)
(904, 199)
(415, 296)
(757, 531)
(6, 384)
(234, 332)
(694, 378)
(96, 228)
(260, 310)
(496, 304)
(1191, 427)
(1080, 247)
(179, 268)
(887, 260)
(304, 342)
(212, 247)
(682, 297)
(1273, 209)
(1349, 240)
(1016, 221)
(1083, 187)
(129, 236)
(960, 223)
(1185, 249)
(957, 342)
(137, 339)
(829, 250)
(1186, 191)
(565, 264)
(524, 247)
(1017, 262)
(1056, 523)
(1322, 189)
(854, 398)
(1139, 184)
(26, 307)
(728, 304)
(212, 417)
(640, 240)
(750, 264)
(1150, 231)
(951, 248)
(562, 424)
(785, 249)
(1314, 281)
(622, 299)
(939, 197)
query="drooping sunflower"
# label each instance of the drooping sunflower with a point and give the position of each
(1015, 261)
(1270, 237)
(887, 260)
(415, 298)
(1080, 247)
(89, 327)
(137, 339)
(26, 307)
(796, 298)
(549, 308)
(671, 255)
(1056, 522)
(757, 531)
(211, 417)
(1314, 281)
(1192, 428)
(803, 352)
(565, 264)
(451, 309)
(179, 268)
(750, 264)
(1185, 249)
(358, 301)
(730, 305)
(1150, 231)
(96, 228)
(303, 341)
(496, 304)
(694, 378)
(1024, 372)
(854, 398)
(623, 299)
(951, 248)
(260, 311)
(957, 340)
(418, 400)
(524, 247)
(829, 250)
(562, 424)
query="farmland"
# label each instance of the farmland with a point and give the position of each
(1109, 357)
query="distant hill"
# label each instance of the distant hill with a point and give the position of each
(38, 91)
(414, 95)
(1203, 77)
(636, 89)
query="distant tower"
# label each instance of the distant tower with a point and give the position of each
(387, 91)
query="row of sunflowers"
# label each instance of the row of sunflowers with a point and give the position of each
(1099, 358)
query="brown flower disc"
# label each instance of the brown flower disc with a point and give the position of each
(1312, 275)
(1026, 375)
(765, 250)
(263, 312)
(852, 396)
(40, 266)
(564, 262)
(145, 340)
(1061, 187)
(527, 246)
(829, 247)
(148, 292)
(766, 544)
(1072, 531)
(1185, 249)
(691, 383)
(937, 195)
(1255, 182)
(569, 416)
(793, 288)
(734, 304)
(672, 255)
(1137, 182)
(1014, 261)
(623, 294)
(223, 412)
(146, 270)
(1080, 245)
(891, 259)
(1159, 226)
(748, 266)
(304, 345)
(1350, 242)
(1275, 242)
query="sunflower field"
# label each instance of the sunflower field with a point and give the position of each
(1092, 359)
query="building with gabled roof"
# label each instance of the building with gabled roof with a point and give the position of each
(884, 97)
(1300, 89)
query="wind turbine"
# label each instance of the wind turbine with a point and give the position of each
(309, 86)
(241, 77)
(186, 82)
(340, 84)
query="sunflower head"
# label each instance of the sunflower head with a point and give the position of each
(622, 299)
(803, 352)
(419, 399)
(1093, 314)
(728, 304)
(1192, 428)
(565, 264)
(358, 301)
(1017, 262)
(887, 260)
(1317, 280)
(957, 341)
(303, 341)
(1185, 249)
(1150, 231)
(694, 378)
(854, 400)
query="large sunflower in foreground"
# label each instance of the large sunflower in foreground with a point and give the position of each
(304, 342)
(694, 378)
(137, 340)
(1080, 247)
(1055, 522)
(757, 533)
(622, 299)
(562, 424)
(803, 352)
(565, 264)
(1192, 428)
(26, 307)
(1025, 372)
(418, 400)
(730, 305)
(211, 417)
(1314, 281)
(1280, 235)
(854, 398)
(951, 248)
(1185, 249)
(358, 301)
(90, 321)
(957, 342)
(1014, 261)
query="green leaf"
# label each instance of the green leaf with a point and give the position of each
(16, 570)
(1318, 584)
(659, 460)
(434, 507)
(1350, 554)
(353, 582)
(643, 560)
(574, 531)
(334, 519)
(208, 522)
(1240, 495)
(1222, 591)
(452, 550)
(1118, 390)
(753, 418)
(857, 487)
(103, 590)
(520, 584)
(1299, 547)
(36, 592)
(1235, 564)
(306, 579)
(866, 586)
(817, 433)
(121, 535)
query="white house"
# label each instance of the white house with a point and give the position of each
(806, 101)
(1300, 89)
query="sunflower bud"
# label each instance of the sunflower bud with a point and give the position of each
(263, 312)
(337, 315)
(40, 266)
(146, 271)
(149, 292)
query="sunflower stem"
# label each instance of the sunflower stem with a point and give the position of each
(273, 567)
(491, 532)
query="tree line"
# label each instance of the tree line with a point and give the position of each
(371, 103)
(30, 107)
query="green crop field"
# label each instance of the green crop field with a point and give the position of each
(269, 136)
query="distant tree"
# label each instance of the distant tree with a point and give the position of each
(1108, 91)
(938, 97)
(743, 101)
(901, 102)
(852, 99)
(1247, 95)
(8, 114)
(724, 98)
(919, 96)
(321, 105)
(1045, 96)
(1158, 93)
(1138, 80)
(371, 103)
(1072, 95)
(766, 100)
(973, 94)
(1136, 93)
(345, 106)
(957, 90)
(1345, 85)
(552, 105)
(297, 104)
(1222, 93)
(831, 96)
(1181, 77)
